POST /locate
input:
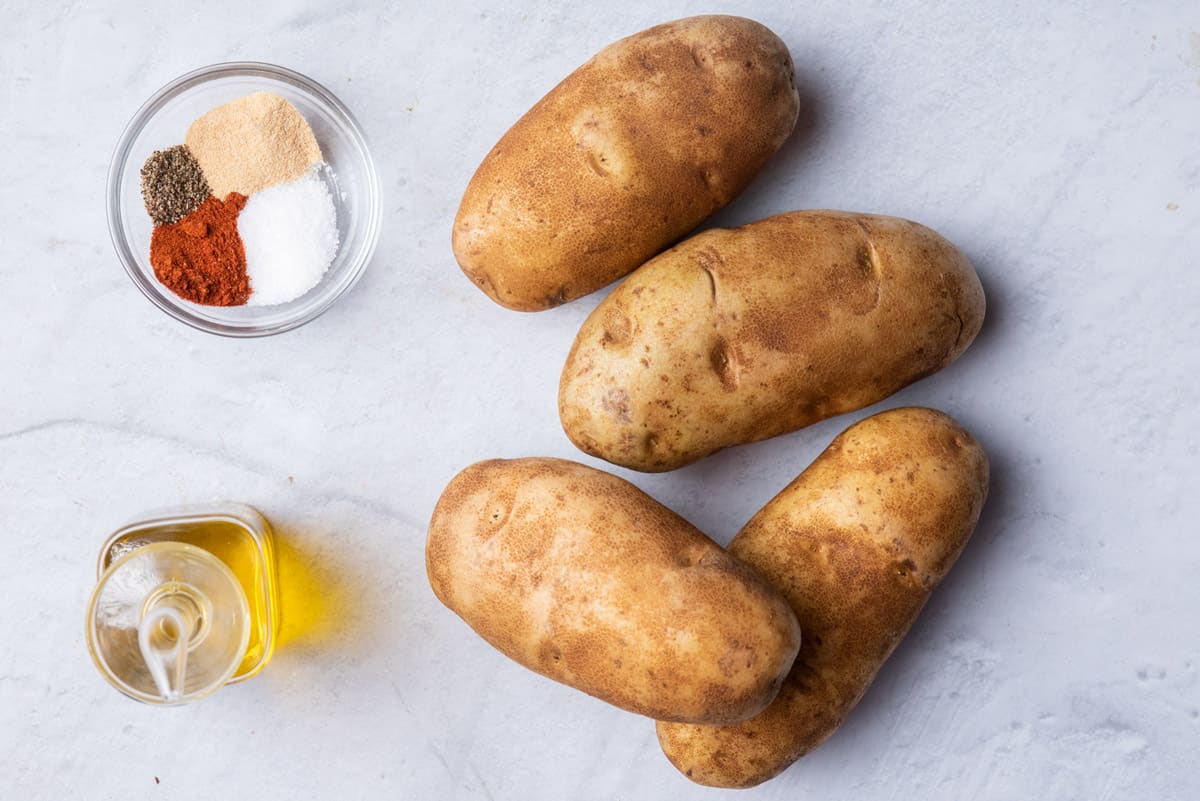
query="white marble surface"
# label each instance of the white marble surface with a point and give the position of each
(1057, 143)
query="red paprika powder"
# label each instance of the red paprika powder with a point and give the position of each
(201, 257)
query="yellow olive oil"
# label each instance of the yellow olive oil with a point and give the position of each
(237, 536)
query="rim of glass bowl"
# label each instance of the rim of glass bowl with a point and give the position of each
(116, 227)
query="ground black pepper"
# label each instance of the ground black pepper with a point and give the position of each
(173, 185)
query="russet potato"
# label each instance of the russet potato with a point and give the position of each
(856, 543)
(630, 152)
(737, 335)
(582, 577)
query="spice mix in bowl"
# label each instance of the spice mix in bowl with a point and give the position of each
(241, 212)
(243, 199)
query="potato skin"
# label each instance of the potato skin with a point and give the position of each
(737, 335)
(856, 543)
(582, 577)
(626, 155)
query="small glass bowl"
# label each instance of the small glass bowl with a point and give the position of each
(163, 122)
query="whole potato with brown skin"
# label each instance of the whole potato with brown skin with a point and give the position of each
(629, 153)
(738, 335)
(582, 577)
(856, 543)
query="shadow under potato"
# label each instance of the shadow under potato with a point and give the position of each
(758, 471)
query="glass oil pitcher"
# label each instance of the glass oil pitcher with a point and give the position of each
(186, 601)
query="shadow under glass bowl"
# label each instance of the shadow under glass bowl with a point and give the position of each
(163, 122)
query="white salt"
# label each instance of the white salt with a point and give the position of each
(290, 234)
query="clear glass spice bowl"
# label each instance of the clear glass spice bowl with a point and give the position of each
(163, 121)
